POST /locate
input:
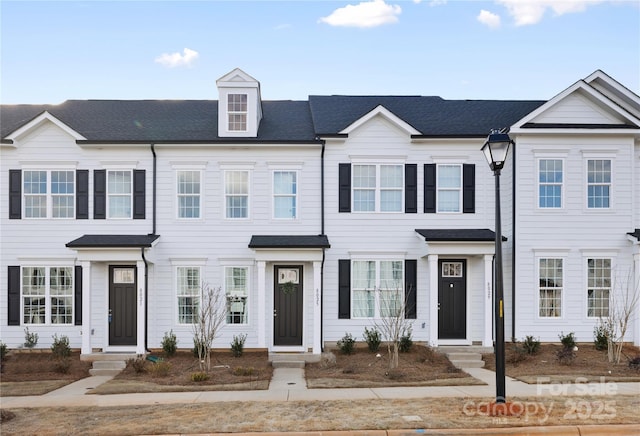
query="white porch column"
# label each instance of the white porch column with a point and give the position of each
(86, 307)
(141, 313)
(317, 314)
(487, 339)
(636, 288)
(433, 299)
(262, 306)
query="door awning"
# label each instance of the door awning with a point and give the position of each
(458, 235)
(113, 241)
(289, 241)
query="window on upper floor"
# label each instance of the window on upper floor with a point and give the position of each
(47, 295)
(188, 293)
(49, 193)
(189, 193)
(236, 192)
(550, 275)
(598, 183)
(598, 286)
(378, 188)
(449, 185)
(236, 285)
(285, 194)
(377, 287)
(237, 112)
(119, 194)
(550, 180)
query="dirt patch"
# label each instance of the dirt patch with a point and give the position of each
(41, 365)
(589, 364)
(421, 366)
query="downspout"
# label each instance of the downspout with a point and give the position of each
(146, 301)
(323, 249)
(153, 151)
(513, 248)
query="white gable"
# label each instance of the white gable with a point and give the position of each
(237, 82)
(381, 111)
(578, 108)
(44, 117)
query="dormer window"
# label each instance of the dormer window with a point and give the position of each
(237, 111)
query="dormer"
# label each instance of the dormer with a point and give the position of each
(239, 105)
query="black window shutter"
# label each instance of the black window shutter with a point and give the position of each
(82, 194)
(77, 293)
(410, 289)
(344, 184)
(411, 188)
(429, 188)
(468, 188)
(99, 194)
(139, 187)
(13, 288)
(15, 194)
(344, 289)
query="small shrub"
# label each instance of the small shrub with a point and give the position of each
(406, 342)
(568, 340)
(199, 376)
(3, 351)
(347, 344)
(139, 364)
(30, 339)
(373, 339)
(237, 345)
(601, 336)
(518, 354)
(395, 374)
(531, 345)
(62, 365)
(60, 347)
(242, 371)
(159, 369)
(635, 363)
(169, 343)
(566, 356)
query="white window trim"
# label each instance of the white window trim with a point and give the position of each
(201, 195)
(378, 189)
(377, 258)
(230, 112)
(609, 155)
(248, 297)
(296, 196)
(176, 293)
(459, 190)
(48, 169)
(47, 293)
(563, 185)
(233, 168)
(595, 254)
(550, 254)
(108, 194)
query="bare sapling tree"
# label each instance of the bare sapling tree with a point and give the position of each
(623, 302)
(211, 316)
(393, 324)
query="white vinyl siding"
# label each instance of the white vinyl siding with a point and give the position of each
(189, 191)
(49, 194)
(119, 194)
(47, 295)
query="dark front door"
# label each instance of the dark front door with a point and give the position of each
(287, 306)
(452, 299)
(122, 305)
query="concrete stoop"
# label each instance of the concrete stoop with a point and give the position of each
(291, 360)
(465, 357)
(109, 364)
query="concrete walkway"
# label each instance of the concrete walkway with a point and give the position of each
(288, 384)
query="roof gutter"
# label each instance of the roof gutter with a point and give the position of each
(153, 151)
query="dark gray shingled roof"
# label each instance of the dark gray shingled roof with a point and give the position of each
(432, 116)
(452, 235)
(113, 241)
(289, 241)
(283, 121)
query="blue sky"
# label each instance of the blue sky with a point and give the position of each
(52, 51)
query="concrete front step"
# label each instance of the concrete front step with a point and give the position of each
(288, 364)
(468, 363)
(107, 367)
(463, 360)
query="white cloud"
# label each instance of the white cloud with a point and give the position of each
(172, 60)
(526, 12)
(366, 14)
(489, 19)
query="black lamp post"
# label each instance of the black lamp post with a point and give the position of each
(495, 150)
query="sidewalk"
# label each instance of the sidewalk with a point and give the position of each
(288, 384)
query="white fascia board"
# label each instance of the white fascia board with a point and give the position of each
(615, 91)
(37, 121)
(384, 112)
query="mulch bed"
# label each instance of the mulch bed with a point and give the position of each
(38, 365)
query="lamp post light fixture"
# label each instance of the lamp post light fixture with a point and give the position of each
(495, 149)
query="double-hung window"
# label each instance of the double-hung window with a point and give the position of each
(285, 194)
(236, 286)
(237, 112)
(189, 193)
(49, 194)
(377, 288)
(550, 180)
(449, 188)
(47, 295)
(550, 287)
(119, 193)
(378, 188)
(598, 183)
(598, 286)
(188, 293)
(236, 192)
